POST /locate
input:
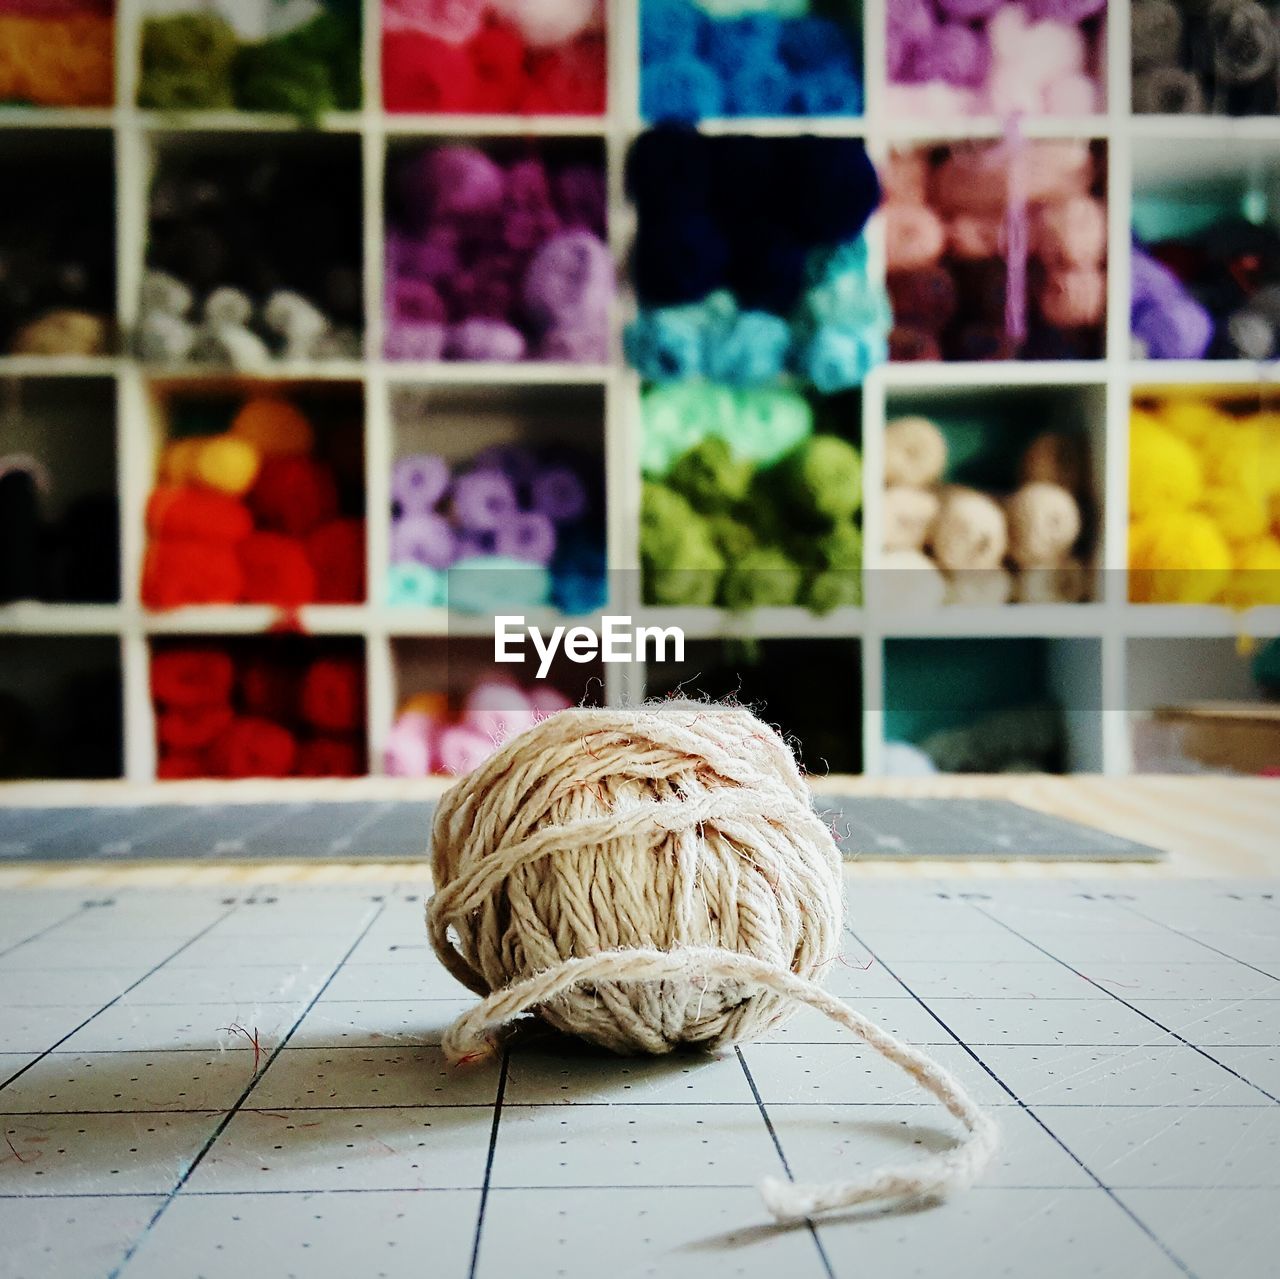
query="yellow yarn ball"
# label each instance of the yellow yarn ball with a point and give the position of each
(273, 426)
(228, 464)
(1164, 472)
(1256, 579)
(1177, 558)
(1242, 517)
(179, 459)
(1231, 458)
(1191, 420)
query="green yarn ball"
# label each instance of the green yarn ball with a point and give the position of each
(763, 578)
(822, 480)
(681, 563)
(732, 537)
(185, 89)
(841, 548)
(274, 77)
(674, 419)
(186, 63)
(711, 478)
(832, 588)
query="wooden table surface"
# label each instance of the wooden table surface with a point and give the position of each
(1210, 826)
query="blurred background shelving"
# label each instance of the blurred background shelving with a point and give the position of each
(97, 422)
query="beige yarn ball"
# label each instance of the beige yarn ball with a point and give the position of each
(681, 824)
(915, 452)
(1065, 583)
(908, 517)
(1054, 457)
(979, 587)
(970, 531)
(1044, 523)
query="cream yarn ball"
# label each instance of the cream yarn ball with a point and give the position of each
(652, 878)
(677, 825)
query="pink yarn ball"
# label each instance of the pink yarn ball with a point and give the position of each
(498, 709)
(954, 53)
(569, 280)
(461, 748)
(966, 10)
(523, 230)
(546, 700)
(408, 749)
(454, 21)
(936, 100)
(1074, 94)
(545, 23)
(1057, 170)
(1074, 298)
(1072, 233)
(914, 237)
(972, 237)
(528, 186)
(417, 302)
(575, 345)
(1015, 88)
(485, 339)
(904, 177)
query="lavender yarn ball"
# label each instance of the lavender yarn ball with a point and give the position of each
(452, 182)
(955, 53)
(572, 344)
(421, 342)
(419, 482)
(530, 536)
(570, 278)
(1172, 328)
(1149, 279)
(483, 500)
(559, 493)
(423, 539)
(485, 339)
(518, 463)
(473, 542)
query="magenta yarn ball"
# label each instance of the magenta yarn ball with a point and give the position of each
(485, 339)
(455, 182)
(569, 278)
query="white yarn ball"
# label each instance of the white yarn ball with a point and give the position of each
(909, 514)
(903, 759)
(915, 452)
(545, 23)
(681, 824)
(909, 582)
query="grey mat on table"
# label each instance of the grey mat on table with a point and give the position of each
(395, 830)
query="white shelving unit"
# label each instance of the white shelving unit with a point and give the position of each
(1114, 630)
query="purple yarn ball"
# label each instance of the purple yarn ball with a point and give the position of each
(433, 256)
(417, 302)
(523, 230)
(527, 185)
(472, 542)
(954, 53)
(483, 500)
(575, 344)
(559, 494)
(423, 539)
(581, 197)
(570, 278)
(452, 182)
(1173, 328)
(529, 536)
(518, 463)
(485, 339)
(419, 482)
(1150, 280)
(425, 342)
(910, 20)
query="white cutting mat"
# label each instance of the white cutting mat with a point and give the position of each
(1128, 1037)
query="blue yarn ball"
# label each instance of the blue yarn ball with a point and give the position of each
(681, 88)
(497, 584)
(806, 44)
(834, 261)
(412, 585)
(835, 359)
(831, 188)
(829, 90)
(743, 175)
(749, 350)
(678, 259)
(732, 43)
(670, 29)
(759, 90)
(768, 268)
(579, 577)
(666, 344)
(669, 167)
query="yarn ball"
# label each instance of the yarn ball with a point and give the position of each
(915, 452)
(544, 23)
(909, 581)
(642, 824)
(1155, 33)
(971, 531)
(1044, 523)
(914, 237)
(1164, 472)
(273, 426)
(822, 480)
(908, 515)
(1177, 557)
(1054, 457)
(979, 587)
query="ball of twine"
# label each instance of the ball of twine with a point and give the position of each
(654, 878)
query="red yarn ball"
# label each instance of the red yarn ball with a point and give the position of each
(192, 728)
(569, 80)
(333, 694)
(252, 747)
(179, 571)
(293, 495)
(421, 73)
(498, 59)
(276, 570)
(269, 689)
(180, 767)
(329, 757)
(199, 514)
(191, 677)
(337, 553)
